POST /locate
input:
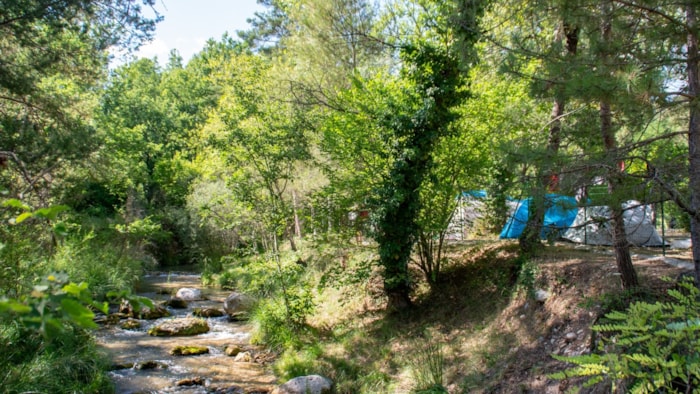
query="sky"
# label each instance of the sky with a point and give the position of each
(188, 24)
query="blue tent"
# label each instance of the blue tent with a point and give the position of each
(560, 214)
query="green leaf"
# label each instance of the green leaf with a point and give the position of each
(78, 313)
(51, 212)
(60, 229)
(141, 301)
(101, 306)
(75, 289)
(10, 305)
(15, 203)
(22, 217)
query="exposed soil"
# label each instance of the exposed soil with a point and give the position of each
(497, 337)
(580, 285)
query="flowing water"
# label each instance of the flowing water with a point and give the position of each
(214, 372)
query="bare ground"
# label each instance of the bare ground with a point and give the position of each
(495, 335)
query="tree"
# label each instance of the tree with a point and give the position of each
(268, 28)
(693, 67)
(416, 126)
(601, 72)
(52, 53)
(264, 140)
(566, 39)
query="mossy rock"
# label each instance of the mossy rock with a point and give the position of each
(176, 303)
(180, 327)
(196, 381)
(154, 313)
(130, 324)
(150, 365)
(232, 350)
(189, 350)
(207, 312)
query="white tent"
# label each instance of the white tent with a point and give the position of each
(592, 226)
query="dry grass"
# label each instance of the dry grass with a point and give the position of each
(495, 337)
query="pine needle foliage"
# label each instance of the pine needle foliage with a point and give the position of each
(650, 347)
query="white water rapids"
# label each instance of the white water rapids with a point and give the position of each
(216, 372)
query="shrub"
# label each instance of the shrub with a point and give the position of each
(271, 328)
(655, 347)
(293, 363)
(45, 342)
(287, 299)
(104, 265)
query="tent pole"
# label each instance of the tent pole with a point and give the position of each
(663, 230)
(585, 225)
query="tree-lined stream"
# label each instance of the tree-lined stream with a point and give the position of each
(144, 363)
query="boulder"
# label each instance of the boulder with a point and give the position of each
(180, 327)
(189, 294)
(232, 350)
(144, 312)
(130, 324)
(238, 306)
(207, 312)
(176, 303)
(153, 313)
(189, 350)
(243, 357)
(312, 384)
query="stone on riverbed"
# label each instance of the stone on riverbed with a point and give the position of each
(189, 350)
(180, 327)
(144, 312)
(232, 350)
(153, 313)
(238, 306)
(189, 294)
(176, 303)
(243, 357)
(130, 324)
(196, 381)
(150, 365)
(207, 312)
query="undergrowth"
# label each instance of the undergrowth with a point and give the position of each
(363, 350)
(68, 363)
(648, 348)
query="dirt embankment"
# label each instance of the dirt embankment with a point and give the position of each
(496, 317)
(573, 287)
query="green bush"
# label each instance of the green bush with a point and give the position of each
(286, 295)
(46, 345)
(106, 266)
(650, 347)
(270, 326)
(293, 362)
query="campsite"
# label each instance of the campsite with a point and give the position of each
(350, 196)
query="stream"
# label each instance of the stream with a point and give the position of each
(143, 363)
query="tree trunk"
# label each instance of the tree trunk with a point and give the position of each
(694, 135)
(297, 221)
(620, 243)
(530, 240)
(615, 175)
